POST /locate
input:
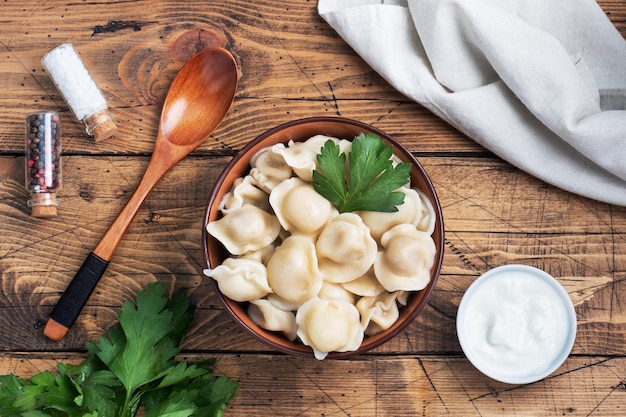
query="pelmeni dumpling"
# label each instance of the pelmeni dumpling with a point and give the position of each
(345, 248)
(246, 229)
(243, 192)
(299, 208)
(269, 169)
(302, 156)
(427, 221)
(281, 303)
(292, 271)
(329, 326)
(261, 255)
(406, 259)
(409, 212)
(241, 279)
(270, 317)
(378, 313)
(402, 297)
(331, 291)
(365, 285)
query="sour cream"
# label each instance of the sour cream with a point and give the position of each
(516, 324)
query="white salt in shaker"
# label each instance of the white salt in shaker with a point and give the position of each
(79, 90)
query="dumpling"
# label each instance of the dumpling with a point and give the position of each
(270, 317)
(345, 248)
(409, 212)
(292, 271)
(329, 326)
(299, 208)
(302, 156)
(281, 303)
(365, 285)
(331, 291)
(427, 220)
(269, 169)
(345, 146)
(401, 296)
(246, 229)
(378, 313)
(243, 192)
(406, 259)
(261, 255)
(241, 279)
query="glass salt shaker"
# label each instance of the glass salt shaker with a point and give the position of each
(79, 90)
(43, 162)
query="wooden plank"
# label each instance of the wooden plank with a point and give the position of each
(135, 61)
(409, 385)
(304, 63)
(579, 241)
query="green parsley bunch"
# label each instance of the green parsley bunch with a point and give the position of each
(134, 366)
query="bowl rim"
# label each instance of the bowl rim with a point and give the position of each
(369, 342)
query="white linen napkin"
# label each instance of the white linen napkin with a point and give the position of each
(540, 83)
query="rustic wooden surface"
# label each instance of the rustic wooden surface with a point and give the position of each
(292, 65)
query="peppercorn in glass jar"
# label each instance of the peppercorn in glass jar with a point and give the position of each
(43, 162)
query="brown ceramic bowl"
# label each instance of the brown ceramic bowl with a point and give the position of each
(300, 130)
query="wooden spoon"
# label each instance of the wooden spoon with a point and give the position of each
(196, 103)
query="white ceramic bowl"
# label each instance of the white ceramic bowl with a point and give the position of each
(516, 324)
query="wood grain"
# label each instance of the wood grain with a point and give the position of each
(281, 66)
(292, 65)
(400, 386)
(579, 241)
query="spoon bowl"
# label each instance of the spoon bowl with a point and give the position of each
(196, 103)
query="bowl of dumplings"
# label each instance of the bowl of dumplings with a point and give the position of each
(302, 276)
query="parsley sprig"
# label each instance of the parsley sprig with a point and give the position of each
(134, 366)
(370, 180)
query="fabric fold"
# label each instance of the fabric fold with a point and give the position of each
(540, 84)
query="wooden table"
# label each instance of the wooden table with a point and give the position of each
(292, 65)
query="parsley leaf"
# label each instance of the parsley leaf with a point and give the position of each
(145, 329)
(369, 181)
(12, 389)
(134, 366)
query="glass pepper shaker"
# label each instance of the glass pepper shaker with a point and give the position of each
(43, 162)
(79, 90)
